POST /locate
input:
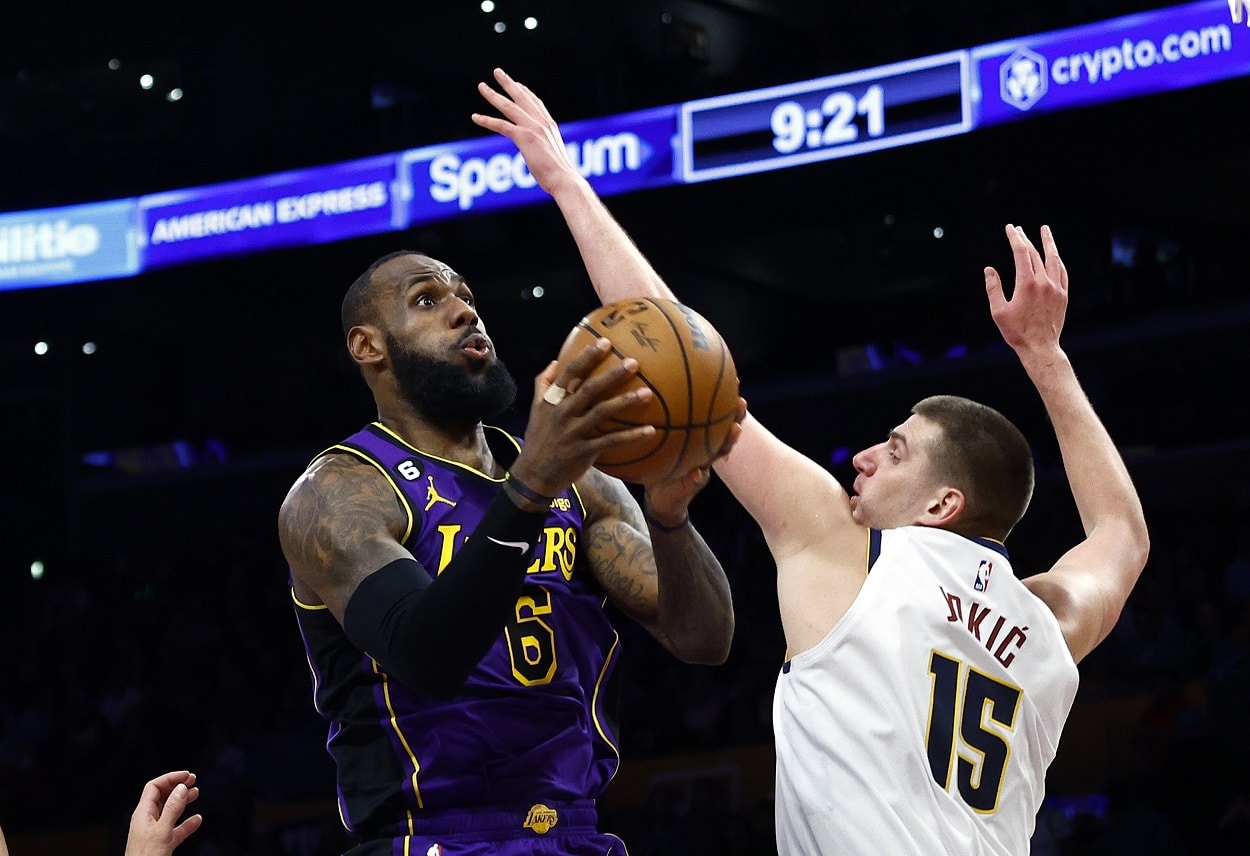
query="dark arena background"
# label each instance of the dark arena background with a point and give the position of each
(153, 421)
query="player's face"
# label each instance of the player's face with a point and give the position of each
(895, 481)
(443, 362)
(428, 306)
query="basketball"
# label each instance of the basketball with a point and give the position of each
(683, 359)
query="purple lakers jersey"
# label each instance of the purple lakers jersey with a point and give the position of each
(530, 724)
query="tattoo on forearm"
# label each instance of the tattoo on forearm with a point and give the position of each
(625, 567)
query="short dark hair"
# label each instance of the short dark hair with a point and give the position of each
(987, 457)
(361, 296)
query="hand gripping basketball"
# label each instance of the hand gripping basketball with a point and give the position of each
(684, 361)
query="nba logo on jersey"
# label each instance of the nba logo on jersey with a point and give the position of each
(435, 850)
(983, 575)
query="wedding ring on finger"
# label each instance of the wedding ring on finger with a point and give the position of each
(555, 394)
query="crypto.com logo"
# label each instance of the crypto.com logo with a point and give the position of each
(1022, 78)
(1237, 8)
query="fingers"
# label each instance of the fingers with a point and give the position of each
(158, 793)
(735, 431)
(571, 377)
(1055, 268)
(498, 100)
(516, 102)
(1031, 265)
(179, 798)
(519, 92)
(994, 289)
(183, 831)
(1028, 262)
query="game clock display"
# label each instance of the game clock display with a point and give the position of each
(830, 117)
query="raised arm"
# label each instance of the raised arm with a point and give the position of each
(615, 265)
(812, 540)
(764, 469)
(1088, 586)
(657, 567)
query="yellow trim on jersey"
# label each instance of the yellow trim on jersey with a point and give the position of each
(594, 699)
(303, 605)
(401, 441)
(403, 499)
(416, 765)
(398, 439)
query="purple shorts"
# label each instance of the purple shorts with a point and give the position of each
(541, 829)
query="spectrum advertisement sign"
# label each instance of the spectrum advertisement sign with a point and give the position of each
(1136, 55)
(313, 206)
(617, 154)
(55, 246)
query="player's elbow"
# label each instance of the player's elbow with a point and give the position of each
(1138, 543)
(708, 648)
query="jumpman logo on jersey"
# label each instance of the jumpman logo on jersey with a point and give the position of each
(432, 495)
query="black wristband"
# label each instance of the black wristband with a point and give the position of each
(528, 492)
(655, 524)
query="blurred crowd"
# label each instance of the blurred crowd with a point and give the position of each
(118, 670)
(165, 638)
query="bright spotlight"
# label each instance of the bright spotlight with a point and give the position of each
(41, 348)
(531, 23)
(146, 81)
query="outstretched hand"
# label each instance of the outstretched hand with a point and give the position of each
(154, 826)
(1033, 317)
(527, 122)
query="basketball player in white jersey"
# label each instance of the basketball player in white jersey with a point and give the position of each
(926, 686)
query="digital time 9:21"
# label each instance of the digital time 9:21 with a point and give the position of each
(795, 127)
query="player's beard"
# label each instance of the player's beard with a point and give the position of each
(449, 395)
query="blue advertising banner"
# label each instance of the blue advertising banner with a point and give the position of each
(618, 154)
(708, 139)
(79, 243)
(1156, 51)
(312, 206)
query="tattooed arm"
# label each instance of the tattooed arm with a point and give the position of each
(341, 528)
(663, 577)
(340, 522)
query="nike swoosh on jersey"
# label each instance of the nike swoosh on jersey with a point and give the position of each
(520, 545)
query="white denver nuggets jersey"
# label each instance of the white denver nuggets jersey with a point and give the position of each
(925, 721)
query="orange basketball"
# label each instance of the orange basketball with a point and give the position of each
(686, 363)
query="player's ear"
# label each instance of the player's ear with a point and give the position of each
(366, 344)
(945, 507)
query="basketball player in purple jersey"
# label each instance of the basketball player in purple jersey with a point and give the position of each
(926, 686)
(450, 581)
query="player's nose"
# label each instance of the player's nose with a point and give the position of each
(864, 462)
(462, 313)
